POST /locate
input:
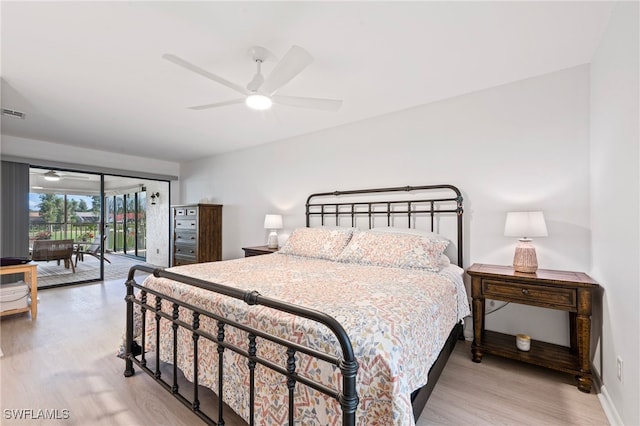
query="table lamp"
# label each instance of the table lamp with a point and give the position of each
(525, 225)
(273, 222)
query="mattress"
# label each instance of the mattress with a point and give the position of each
(397, 319)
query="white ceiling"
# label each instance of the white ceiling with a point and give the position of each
(77, 183)
(91, 74)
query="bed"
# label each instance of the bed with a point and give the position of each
(349, 323)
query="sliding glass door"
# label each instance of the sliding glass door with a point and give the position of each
(65, 219)
(126, 223)
(104, 219)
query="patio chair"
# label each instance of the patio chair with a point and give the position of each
(94, 249)
(46, 250)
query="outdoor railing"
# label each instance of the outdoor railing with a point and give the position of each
(80, 232)
(61, 231)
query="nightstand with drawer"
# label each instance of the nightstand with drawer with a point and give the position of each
(258, 250)
(562, 290)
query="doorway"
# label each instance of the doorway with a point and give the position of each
(104, 218)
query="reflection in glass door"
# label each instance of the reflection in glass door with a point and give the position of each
(130, 224)
(118, 227)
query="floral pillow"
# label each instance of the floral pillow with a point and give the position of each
(321, 243)
(411, 231)
(444, 260)
(394, 250)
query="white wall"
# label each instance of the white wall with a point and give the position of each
(519, 146)
(43, 150)
(615, 199)
(158, 246)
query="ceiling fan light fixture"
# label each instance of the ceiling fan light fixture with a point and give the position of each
(52, 176)
(261, 91)
(258, 102)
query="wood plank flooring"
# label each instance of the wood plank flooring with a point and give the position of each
(65, 360)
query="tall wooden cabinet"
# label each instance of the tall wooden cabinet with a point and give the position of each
(197, 233)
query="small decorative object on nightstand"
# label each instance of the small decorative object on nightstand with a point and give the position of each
(257, 251)
(273, 222)
(562, 290)
(523, 342)
(525, 225)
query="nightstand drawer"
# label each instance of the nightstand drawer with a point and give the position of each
(561, 298)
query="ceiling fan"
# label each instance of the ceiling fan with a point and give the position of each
(54, 176)
(260, 92)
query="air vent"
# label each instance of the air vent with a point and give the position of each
(13, 113)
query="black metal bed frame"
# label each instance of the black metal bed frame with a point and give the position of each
(371, 209)
(347, 397)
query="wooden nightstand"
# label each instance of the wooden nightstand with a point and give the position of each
(258, 250)
(562, 290)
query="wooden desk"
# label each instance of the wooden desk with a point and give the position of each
(31, 278)
(561, 290)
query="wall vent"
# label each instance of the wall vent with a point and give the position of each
(13, 113)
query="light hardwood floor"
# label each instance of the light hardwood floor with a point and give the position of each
(65, 360)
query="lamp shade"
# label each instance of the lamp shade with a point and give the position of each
(525, 225)
(273, 221)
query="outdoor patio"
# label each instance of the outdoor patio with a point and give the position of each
(50, 273)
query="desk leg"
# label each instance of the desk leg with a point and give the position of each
(573, 338)
(583, 340)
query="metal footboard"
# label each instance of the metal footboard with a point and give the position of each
(151, 301)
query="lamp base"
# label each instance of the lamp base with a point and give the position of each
(272, 242)
(525, 259)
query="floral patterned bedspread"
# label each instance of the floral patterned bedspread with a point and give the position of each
(397, 319)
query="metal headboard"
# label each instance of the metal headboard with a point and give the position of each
(446, 200)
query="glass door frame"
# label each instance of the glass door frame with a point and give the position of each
(126, 197)
(66, 223)
(108, 182)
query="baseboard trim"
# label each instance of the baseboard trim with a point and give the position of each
(607, 405)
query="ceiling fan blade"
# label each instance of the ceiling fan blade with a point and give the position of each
(181, 62)
(316, 103)
(218, 104)
(289, 66)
